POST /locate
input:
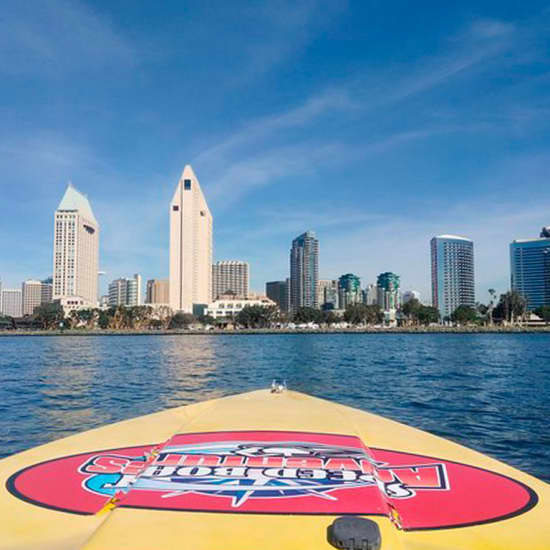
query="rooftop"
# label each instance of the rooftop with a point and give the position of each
(74, 200)
(455, 237)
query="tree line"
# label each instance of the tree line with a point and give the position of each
(511, 307)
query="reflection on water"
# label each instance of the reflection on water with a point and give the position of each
(490, 392)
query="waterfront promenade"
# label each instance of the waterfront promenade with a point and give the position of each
(516, 329)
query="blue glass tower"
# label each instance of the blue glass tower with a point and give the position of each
(530, 269)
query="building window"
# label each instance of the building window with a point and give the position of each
(175, 207)
(187, 184)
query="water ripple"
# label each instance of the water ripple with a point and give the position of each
(489, 392)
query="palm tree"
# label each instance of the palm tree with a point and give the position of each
(492, 302)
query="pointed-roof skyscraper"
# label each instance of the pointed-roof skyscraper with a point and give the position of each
(75, 248)
(190, 245)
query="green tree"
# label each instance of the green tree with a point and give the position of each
(544, 313)
(428, 315)
(511, 306)
(492, 305)
(206, 320)
(411, 310)
(7, 323)
(306, 315)
(181, 320)
(464, 315)
(49, 315)
(358, 314)
(257, 316)
(330, 318)
(103, 319)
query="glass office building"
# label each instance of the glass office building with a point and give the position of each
(530, 269)
(304, 271)
(452, 273)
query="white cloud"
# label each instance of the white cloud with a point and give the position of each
(58, 36)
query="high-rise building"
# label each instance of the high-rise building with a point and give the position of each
(125, 292)
(452, 273)
(304, 271)
(370, 295)
(388, 291)
(277, 291)
(31, 296)
(230, 276)
(76, 248)
(530, 269)
(12, 302)
(190, 245)
(349, 290)
(157, 291)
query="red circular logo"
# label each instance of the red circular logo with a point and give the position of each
(276, 473)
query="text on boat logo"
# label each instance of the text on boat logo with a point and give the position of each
(259, 470)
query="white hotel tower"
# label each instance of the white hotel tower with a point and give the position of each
(75, 249)
(190, 245)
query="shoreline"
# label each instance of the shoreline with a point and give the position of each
(368, 330)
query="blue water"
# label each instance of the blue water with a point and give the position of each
(489, 392)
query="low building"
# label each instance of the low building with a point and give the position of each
(46, 291)
(12, 302)
(157, 292)
(370, 295)
(230, 305)
(279, 292)
(327, 294)
(125, 292)
(31, 296)
(230, 275)
(74, 303)
(409, 295)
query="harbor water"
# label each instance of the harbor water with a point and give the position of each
(490, 392)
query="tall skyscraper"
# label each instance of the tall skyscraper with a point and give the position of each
(157, 292)
(388, 291)
(530, 269)
(349, 290)
(12, 302)
(76, 248)
(452, 273)
(278, 292)
(190, 245)
(125, 292)
(230, 276)
(304, 271)
(31, 296)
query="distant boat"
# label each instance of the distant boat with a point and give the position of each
(269, 469)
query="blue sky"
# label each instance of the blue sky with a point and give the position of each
(376, 124)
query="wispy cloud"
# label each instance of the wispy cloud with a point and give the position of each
(264, 150)
(57, 37)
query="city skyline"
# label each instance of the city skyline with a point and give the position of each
(426, 125)
(76, 204)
